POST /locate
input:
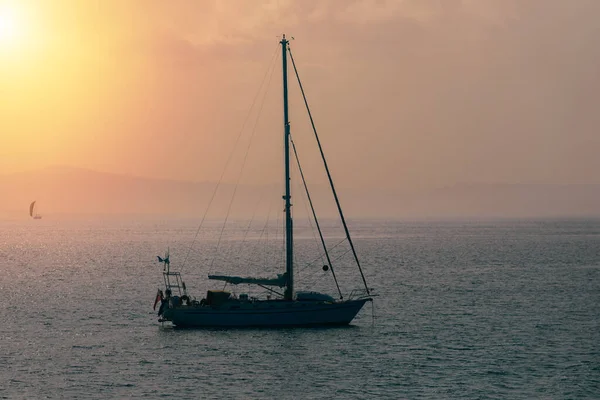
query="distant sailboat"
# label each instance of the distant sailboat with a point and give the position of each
(32, 211)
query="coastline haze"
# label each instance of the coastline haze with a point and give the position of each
(63, 191)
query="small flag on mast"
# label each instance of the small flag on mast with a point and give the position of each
(163, 260)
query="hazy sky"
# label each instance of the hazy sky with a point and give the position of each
(405, 94)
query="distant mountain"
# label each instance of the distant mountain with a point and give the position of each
(65, 190)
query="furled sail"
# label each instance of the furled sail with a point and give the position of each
(280, 281)
(31, 206)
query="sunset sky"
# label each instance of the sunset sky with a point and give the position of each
(405, 94)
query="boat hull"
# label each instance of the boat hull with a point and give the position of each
(263, 314)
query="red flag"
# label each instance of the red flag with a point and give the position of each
(159, 296)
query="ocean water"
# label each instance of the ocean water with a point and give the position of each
(474, 310)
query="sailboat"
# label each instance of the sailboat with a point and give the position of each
(32, 211)
(221, 308)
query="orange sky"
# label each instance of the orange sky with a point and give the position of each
(406, 94)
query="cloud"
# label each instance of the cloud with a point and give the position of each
(457, 90)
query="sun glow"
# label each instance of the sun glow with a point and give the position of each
(10, 26)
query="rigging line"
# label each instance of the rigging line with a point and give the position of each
(300, 189)
(245, 235)
(337, 201)
(252, 218)
(270, 290)
(271, 61)
(312, 228)
(249, 224)
(310, 264)
(315, 217)
(257, 247)
(342, 255)
(243, 165)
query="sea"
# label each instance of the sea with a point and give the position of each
(463, 309)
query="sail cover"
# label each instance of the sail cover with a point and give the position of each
(280, 281)
(31, 208)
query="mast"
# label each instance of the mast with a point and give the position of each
(289, 244)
